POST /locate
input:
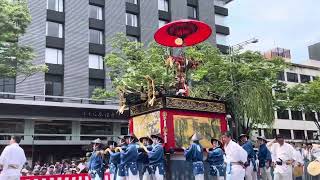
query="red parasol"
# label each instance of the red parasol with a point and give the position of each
(181, 33)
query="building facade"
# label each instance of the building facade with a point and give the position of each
(314, 51)
(71, 37)
(298, 126)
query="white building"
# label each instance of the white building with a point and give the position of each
(296, 125)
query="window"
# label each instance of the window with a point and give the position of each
(304, 78)
(286, 133)
(312, 135)
(7, 85)
(192, 12)
(54, 85)
(315, 78)
(281, 76)
(163, 5)
(9, 126)
(296, 115)
(54, 29)
(310, 116)
(270, 133)
(162, 23)
(124, 130)
(94, 84)
(95, 129)
(221, 39)
(131, 20)
(56, 5)
(95, 12)
(95, 61)
(96, 36)
(283, 114)
(53, 56)
(280, 94)
(292, 77)
(132, 1)
(52, 127)
(298, 134)
(132, 38)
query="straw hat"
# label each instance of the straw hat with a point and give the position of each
(96, 141)
(262, 138)
(157, 136)
(196, 137)
(314, 168)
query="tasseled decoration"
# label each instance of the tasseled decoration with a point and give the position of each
(169, 61)
(151, 90)
(122, 101)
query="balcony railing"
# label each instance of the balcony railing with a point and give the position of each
(33, 97)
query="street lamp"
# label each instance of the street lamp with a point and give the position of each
(232, 50)
(241, 45)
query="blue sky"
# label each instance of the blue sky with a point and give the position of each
(291, 24)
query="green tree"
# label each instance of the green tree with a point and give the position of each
(304, 97)
(14, 58)
(243, 80)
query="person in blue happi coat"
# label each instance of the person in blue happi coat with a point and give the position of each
(114, 159)
(129, 157)
(250, 165)
(194, 154)
(156, 157)
(96, 164)
(143, 159)
(265, 160)
(122, 171)
(216, 160)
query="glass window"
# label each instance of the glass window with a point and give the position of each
(192, 12)
(283, 114)
(132, 1)
(96, 128)
(56, 5)
(286, 133)
(95, 12)
(312, 135)
(162, 23)
(299, 134)
(124, 130)
(131, 20)
(95, 61)
(281, 76)
(54, 29)
(133, 38)
(54, 87)
(12, 126)
(53, 56)
(94, 84)
(43, 128)
(310, 116)
(304, 78)
(296, 115)
(292, 77)
(163, 5)
(270, 133)
(7, 85)
(95, 36)
(315, 78)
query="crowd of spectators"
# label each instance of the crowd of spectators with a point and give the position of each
(57, 168)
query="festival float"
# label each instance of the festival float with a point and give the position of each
(172, 113)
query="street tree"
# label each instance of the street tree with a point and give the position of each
(15, 59)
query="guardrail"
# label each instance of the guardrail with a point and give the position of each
(34, 97)
(63, 177)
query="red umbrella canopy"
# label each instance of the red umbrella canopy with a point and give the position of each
(186, 32)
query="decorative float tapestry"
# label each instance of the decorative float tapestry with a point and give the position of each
(186, 126)
(147, 124)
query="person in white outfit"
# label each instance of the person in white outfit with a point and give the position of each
(236, 157)
(12, 160)
(282, 158)
(298, 163)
